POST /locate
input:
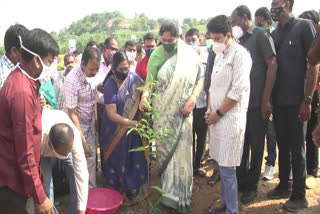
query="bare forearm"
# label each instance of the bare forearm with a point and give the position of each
(118, 119)
(196, 91)
(95, 112)
(312, 76)
(75, 119)
(227, 105)
(270, 78)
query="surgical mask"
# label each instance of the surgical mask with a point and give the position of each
(120, 75)
(209, 43)
(169, 47)
(61, 157)
(46, 70)
(194, 46)
(275, 13)
(149, 52)
(237, 32)
(218, 47)
(131, 55)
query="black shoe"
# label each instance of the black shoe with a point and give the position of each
(279, 193)
(215, 177)
(294, 205)
(248, 196)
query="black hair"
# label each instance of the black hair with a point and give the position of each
(242, 10)
(61, 134)
(90, 53)
(219, 24)
(119, 57)
(109, 39)
(91, 44)
(311, 15)
(192, 32)
(150, 36)
(130, 43)
(291, 4)
(39, 42)
(11, 37)
(263, 12)
(67, 55)
(139, 49)
(171, 27)
(76, 53)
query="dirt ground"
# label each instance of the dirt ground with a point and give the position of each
(204, 195)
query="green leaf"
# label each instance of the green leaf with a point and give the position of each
(161, 191)
(139, 149)
(157, 96)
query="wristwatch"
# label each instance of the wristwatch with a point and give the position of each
(219, 113)
(308, 99)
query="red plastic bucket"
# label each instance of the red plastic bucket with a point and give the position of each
(103, 201)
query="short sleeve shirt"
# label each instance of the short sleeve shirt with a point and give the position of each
(292, 41)
(261, 47)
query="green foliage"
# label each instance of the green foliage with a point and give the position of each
(143, 23)
(98, 26)
(2, 51)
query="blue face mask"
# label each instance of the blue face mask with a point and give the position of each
(149, 52)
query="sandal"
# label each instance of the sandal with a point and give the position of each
(216, 208)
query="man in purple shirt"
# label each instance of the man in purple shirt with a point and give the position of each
(20, 127)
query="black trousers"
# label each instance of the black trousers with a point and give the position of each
(248, 173)
(11, 202)
(199, 128)
(290, 140)
(311, 148)
(100, 110)
(271, 144)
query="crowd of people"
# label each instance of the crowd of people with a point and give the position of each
(249, 84)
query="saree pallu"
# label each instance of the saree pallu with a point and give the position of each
(124, 171)
(177, 77)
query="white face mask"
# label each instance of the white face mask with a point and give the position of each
(131, 55)
(218, 47)
(237, 32)
(46, 70)
(194, 46)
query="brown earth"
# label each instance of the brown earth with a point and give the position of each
(204, 195)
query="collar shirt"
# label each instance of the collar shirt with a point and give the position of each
(6, 67)
(230, 78)
(292, 41)
(20, 135)
(100, 78)
(79, 94)
(49, 119)
(261, 47)
(141, 68)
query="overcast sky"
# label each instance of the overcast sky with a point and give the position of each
(58, 14)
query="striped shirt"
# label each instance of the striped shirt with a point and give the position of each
(230, 78)
(6, 67)
(79, 94)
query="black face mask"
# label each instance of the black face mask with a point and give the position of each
(169, 47)
(275, 13)
(120, 75)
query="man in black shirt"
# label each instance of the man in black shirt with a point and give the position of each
(262, 78)
(292, 96)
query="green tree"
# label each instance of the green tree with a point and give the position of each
(2, 51)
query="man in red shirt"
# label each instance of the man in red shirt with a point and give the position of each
(150, 43)
(20, 127)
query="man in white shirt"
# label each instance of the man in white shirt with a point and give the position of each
(61, 140)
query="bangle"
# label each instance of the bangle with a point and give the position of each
(219, 113)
